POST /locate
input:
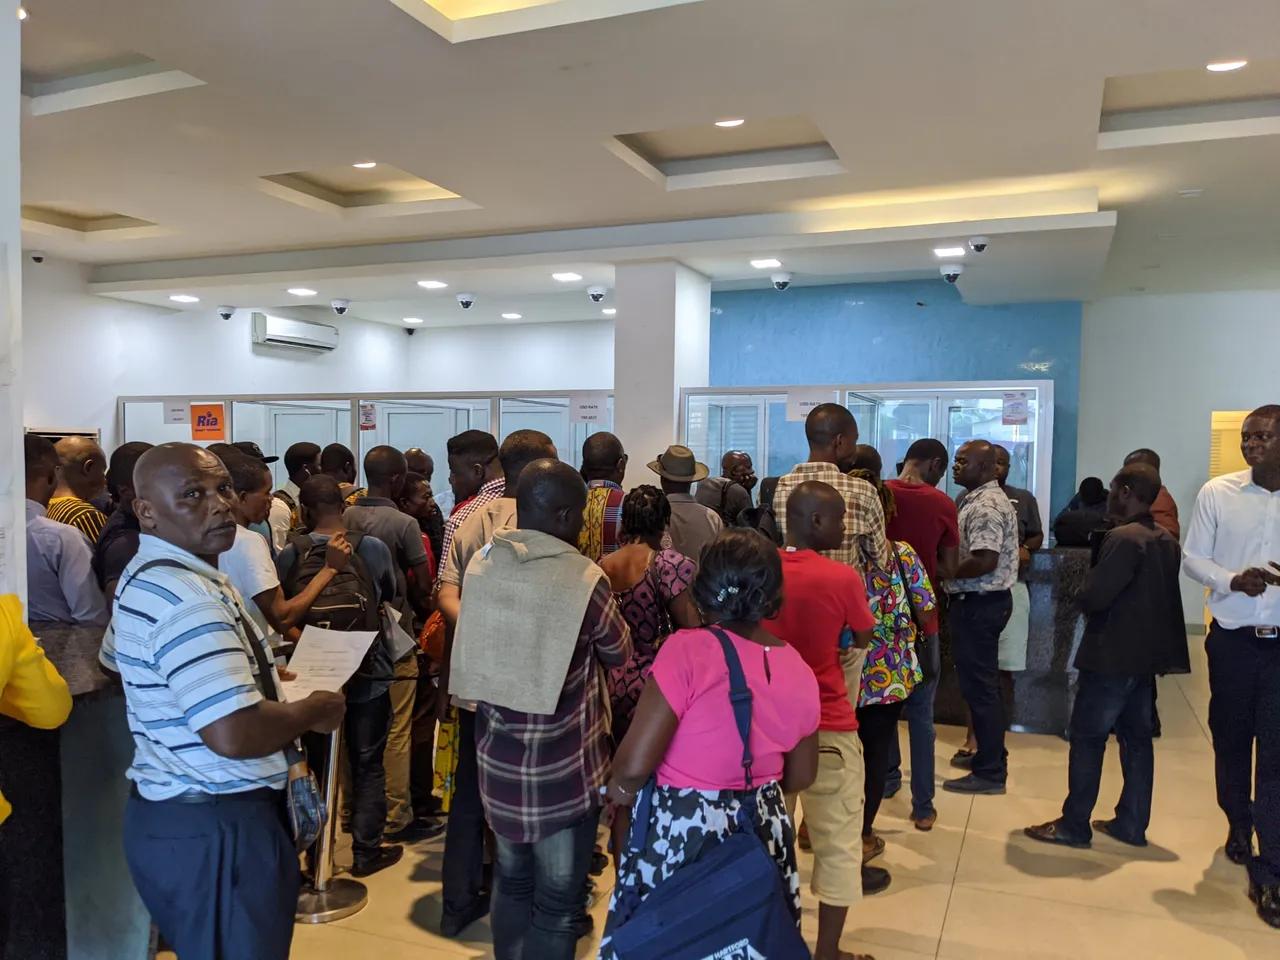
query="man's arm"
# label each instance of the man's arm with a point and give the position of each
(1033, 538)
(1118, 561)
(268, 727)
(1198, 562)
(977, 563)
(279, 521)
(609, 632)
(284, 612)
(31, 689)
(79, 585)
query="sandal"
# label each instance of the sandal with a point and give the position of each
(873, 849)
(1048, 833)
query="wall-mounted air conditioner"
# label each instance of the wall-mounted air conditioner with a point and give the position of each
(283, 332)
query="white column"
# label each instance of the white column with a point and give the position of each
(13, 544)
(662, 342)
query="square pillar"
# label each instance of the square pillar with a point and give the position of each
(13, 486)
(662, 343)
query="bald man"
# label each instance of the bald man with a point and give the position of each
(981, 604)
(730, 493)
(82, 487)
(420, 462)
(206, 831)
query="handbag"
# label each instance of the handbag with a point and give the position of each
(923, 654)
(431, 637)
(730, 901)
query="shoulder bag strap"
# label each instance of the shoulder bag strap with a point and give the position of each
(906, 588)
(739, 698)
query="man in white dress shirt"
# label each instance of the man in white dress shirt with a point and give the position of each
(1232, 544)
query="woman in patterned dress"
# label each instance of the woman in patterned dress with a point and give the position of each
(899, 597)
(650, 586)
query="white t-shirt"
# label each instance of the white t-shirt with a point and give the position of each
(249, 567)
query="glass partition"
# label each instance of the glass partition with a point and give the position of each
(552, 416)
(754, 423)
(276, 425)
(143, 420)
(426, 424)
(980, 417)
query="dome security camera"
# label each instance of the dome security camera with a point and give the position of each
(781, 281)
(951, 271)
(596, 293)
(979, 244)
(37, 256)
(340, 307)
(466, 300)
(226, 312)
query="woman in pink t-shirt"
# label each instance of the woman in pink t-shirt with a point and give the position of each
(684, 733)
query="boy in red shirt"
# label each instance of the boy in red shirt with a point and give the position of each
(822, 602)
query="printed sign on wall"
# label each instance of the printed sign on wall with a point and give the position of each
(1016, 409)
(207, 423)
(368, 417)
(589, 408)
(801, 402)
(177, 411)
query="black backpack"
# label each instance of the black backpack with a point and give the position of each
(348, 602)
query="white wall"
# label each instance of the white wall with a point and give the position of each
(13, 556)
(83, 351)
(528, 356)
(1153, 368)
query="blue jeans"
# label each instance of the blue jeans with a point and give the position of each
(976, 621)
(539, 893)
(921, 734)
(1105, 702)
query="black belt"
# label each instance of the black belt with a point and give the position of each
(969, 594)
(260, 795)
(1262, 632)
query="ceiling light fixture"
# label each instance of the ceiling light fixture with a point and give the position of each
(1191, 194)
(736, 122)
(511, 316)
(948, 252)
(184, 298)
(1226, 66)
(301, 292)
(432, 284)
(365, 166)
(609, 311)
(413, 320)
(22, 13)
(766, 264)
(567, 277)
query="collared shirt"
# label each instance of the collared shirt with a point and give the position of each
(988, 521)
(542, 773)
(601, 520)
(81, 514)
(116, 547)
(488, 493)
(692, 525)
(184, 654)
(472, 536)
(1235, 525)
(283, 518)
(863, 518)
(60, 581)
(1027, 511)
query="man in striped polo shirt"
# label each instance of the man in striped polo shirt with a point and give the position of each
(205, 831)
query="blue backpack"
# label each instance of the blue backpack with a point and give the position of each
(729, 904)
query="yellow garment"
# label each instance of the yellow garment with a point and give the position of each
(31, 689)
(446, 768)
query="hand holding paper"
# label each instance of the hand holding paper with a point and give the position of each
(325, 660)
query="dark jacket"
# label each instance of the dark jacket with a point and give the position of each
(1074, 525)
(1135, 623)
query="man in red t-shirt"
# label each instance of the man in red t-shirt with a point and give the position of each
(927, 520)
(825, 617)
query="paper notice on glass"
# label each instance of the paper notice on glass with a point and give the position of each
(1016, 409)
(399, 641)
(325, 660)
(800, 403)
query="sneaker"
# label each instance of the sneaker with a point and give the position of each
(385, 857)
(417, 831)
(974, 785)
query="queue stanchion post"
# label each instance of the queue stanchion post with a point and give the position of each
(328, 898)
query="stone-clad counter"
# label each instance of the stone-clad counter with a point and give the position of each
(1042, 693)
(69, 886)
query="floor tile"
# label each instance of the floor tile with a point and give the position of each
(908, 916)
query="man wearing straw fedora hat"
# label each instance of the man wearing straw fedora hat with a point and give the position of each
(693, 526)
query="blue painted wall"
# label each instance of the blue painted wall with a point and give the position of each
(876, 333)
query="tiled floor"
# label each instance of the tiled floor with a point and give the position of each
(974, 887)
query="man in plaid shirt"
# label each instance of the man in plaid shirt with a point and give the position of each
(541, 774)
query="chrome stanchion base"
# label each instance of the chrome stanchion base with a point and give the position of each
(342, 898)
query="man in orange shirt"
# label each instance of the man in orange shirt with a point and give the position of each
(1164, 510)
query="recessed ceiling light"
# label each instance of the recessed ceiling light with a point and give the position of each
(1191, 193)
(301, 292)
(511, 316)
(1226, 66)
(432, 284)
(412, 319)
(736, 122)
(184, 298)
(609, 311)
(766, 264)
(365, 166)
(567, 277)
(948, 251)
(22, 13)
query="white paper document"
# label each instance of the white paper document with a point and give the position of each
(399, 641)
(325, 660)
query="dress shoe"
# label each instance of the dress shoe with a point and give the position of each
(874, 879)
(974, 785)
(452, 925)
(1239, 846)
(385, 857)
(925, 823)
(963, 759)
(417, 831)
(1267, 899)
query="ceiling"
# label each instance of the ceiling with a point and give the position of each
(946, 121)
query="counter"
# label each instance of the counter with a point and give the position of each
(68, 791)
(1042, 694)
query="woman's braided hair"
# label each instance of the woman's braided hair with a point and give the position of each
(645, 512)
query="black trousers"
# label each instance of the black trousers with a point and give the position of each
(1244, 719)
(462, 873)
(976, 621)
(422, 744)
(878, 731)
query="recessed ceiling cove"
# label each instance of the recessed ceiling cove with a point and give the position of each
(461, 20)
(355, 192)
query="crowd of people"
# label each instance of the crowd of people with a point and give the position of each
(682, 666)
